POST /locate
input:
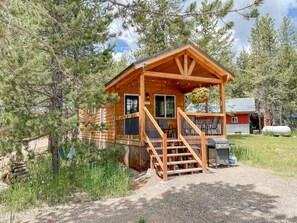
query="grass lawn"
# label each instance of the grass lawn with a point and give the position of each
(275, 153)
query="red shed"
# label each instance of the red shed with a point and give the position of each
(239, 111)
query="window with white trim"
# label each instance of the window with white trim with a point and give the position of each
(164, 106)
(234, 119)
(94, 109)
(101, 116)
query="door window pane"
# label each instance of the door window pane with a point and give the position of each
(131, 104)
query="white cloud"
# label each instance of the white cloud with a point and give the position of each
(117, 56)
(277, 9)
(129, 36)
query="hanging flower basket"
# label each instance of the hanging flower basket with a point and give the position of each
(199, 95)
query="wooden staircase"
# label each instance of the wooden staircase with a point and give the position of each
(179, 159)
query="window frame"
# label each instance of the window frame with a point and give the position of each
(94, 109)
(234, 120)
(128, 94)
(102, 117)
(165, 95)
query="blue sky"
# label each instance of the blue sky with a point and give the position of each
(277, 9)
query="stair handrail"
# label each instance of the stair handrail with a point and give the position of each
(164, 143)
(200, 133)
(153, 149)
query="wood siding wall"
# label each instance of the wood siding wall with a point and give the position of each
(242, 119)
(152, 87)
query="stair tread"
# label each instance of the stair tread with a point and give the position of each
(171, 172)
(175, 154)
(179, 162)
(168, 140)
(170, 147)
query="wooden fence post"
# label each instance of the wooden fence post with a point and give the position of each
(164, 139)
(203, 152)
(178, 123)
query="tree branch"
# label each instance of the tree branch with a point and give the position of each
(135, 8)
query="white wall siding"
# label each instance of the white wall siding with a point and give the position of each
(232, 128)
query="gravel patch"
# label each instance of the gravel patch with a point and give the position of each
(239, 194)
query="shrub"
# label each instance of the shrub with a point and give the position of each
(92, 174)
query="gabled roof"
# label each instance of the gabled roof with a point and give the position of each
(240, 105)
(167, 53)
(234, 105)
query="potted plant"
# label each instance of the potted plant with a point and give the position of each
(199, 95)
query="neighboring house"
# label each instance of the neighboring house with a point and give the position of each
(150, 118)
(239, 111)
(240, 114)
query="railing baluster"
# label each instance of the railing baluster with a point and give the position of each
(178, 124)
(202, 137)
(164, 157)
(163, 136)
(203, 152)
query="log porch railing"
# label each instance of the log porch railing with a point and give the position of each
(192, 143)
(153, 131)
(211, 123)
(126, 126)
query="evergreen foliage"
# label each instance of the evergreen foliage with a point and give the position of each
(56, 56)
(54, 63)
(268, 71)
(157, 33)
(214, 39)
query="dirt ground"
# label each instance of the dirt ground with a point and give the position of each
(236, 194)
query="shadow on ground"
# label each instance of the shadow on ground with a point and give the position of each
(193, 203)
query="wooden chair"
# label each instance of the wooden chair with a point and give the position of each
(187, 129)
(213, 126)
(163, 123)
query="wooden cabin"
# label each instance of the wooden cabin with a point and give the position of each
(150, 118)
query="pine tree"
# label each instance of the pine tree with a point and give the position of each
(242, 85)
(263, 63)
(217, 41)
(287, 69)
(53, 64)
(164, 24)
(160, 32)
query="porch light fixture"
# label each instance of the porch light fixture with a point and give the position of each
(147, 96)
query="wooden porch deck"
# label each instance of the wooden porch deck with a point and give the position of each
(185, 153)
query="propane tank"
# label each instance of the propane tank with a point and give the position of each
(232, 159)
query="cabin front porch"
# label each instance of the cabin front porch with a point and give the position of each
(151, 116)
(179, 146)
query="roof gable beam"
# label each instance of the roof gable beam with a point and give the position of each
(180, 67)
(182, 77)
(191, 67)
(186, 64)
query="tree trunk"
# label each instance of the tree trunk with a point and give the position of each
(53, 145)
(265, 103)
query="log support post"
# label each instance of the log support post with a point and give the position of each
(164, 153)
(203, 152)
(223, 108)
(178, 120)
(141, 107)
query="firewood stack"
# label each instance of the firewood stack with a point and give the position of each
(13, 170)
(19, 170)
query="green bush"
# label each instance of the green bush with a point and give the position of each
(91, 175)
(242, 153)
